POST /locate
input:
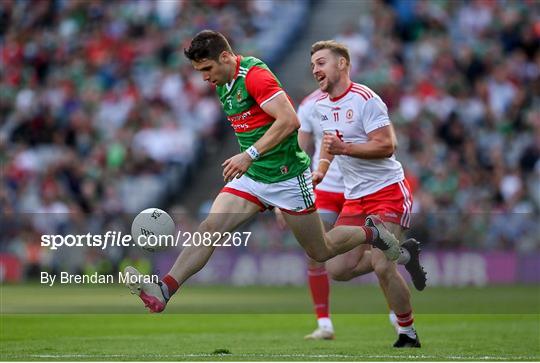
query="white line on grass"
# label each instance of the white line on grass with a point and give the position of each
(270, 356)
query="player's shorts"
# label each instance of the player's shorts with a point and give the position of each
(392, 204)
(329, 205)
(329, 201)
(292, 196)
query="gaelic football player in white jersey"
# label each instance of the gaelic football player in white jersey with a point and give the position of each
(358, 134)
(329, 201)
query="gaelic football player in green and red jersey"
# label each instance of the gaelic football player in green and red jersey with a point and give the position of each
(270, 171)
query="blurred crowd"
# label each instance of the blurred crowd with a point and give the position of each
(101, 115)
(462, 82)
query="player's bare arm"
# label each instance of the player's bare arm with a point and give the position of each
(286, 122)
(305, 140)
(381, 144)
(325, 159)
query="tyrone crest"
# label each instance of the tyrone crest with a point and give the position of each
(349, 114)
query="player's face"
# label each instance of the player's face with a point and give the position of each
(325, 69)
(214, 72)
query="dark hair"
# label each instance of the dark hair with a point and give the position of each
(335, 47)
(207, 44)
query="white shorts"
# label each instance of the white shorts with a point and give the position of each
(293, 196)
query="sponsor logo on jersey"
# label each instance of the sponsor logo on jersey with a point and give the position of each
(237, 127)
(240, 122)
(240, 117)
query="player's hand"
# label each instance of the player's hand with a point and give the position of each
(333, 145)
(279, 218)
(316, 178)
(236, 166)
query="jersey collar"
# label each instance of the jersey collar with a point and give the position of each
(238, 60)
(342, 95)
(231, 83)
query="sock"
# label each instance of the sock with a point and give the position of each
(371, 233)
(325, 323)
(404, 256)
(406, 326)
(320, 291)
(168, 286)
(393, 320)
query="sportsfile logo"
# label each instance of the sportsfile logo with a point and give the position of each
(147, 240)
(109, 239)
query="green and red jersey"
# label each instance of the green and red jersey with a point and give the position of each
(252, 86)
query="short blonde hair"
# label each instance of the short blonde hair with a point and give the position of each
(335, 47)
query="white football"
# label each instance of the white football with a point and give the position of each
(153, 229)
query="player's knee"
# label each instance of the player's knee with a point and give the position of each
(312, 264)
(340, 275)
(338, 271)
(318, 256)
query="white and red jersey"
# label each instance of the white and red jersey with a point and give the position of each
(333, 180)
(352, 116)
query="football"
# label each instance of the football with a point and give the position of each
(153, 229)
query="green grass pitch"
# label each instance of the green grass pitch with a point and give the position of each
(221, 323)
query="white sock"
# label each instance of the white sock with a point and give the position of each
(325, 324)
(409, 330)
(404, 256)
(393, 320)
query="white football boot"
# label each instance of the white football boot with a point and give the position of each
(320, 334)
(386, 241)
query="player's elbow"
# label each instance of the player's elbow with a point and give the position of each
(387, 148)
(292, 124)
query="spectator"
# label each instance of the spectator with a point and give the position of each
(97, 103)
